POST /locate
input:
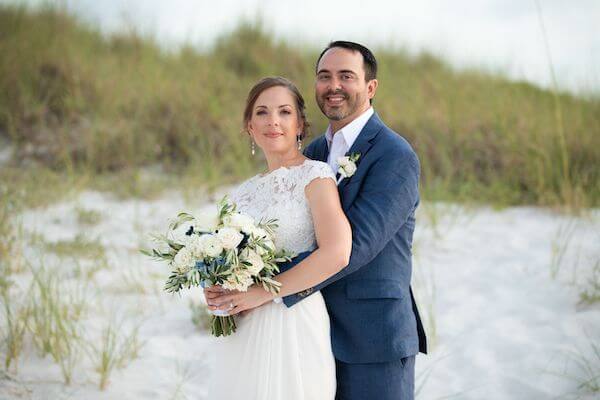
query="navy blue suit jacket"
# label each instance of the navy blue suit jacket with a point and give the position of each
(373, 314)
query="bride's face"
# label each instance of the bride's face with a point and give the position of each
(274, 124)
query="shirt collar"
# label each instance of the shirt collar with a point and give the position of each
(351, 130)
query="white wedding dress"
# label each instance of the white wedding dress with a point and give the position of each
(278, 353)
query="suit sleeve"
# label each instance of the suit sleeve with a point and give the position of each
(380, 210)
(388, 197)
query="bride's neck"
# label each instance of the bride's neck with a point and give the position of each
(275, 161)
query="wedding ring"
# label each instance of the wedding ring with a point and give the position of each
(231, 306)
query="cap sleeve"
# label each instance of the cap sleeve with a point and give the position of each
(317, 169)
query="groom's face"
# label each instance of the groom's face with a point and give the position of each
(341, 90)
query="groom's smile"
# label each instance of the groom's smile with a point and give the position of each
(335, 100)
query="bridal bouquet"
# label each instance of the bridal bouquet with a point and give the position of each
(224, 248)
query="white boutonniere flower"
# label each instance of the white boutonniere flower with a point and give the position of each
(347, 166)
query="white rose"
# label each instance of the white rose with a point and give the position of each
(211, 245)
(184, 260)
(254, 259)
(239, 280)
(348, 170)
(230, 238)
(196, 246)
(206, 221)
(241, 222)
(343, 161)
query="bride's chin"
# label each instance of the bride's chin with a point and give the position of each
(277, 148)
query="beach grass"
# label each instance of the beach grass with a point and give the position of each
(101, 111)
(56, 312)
(88, 217)
(116, 349)
(78, 247)
(14, 327)
(590, 292)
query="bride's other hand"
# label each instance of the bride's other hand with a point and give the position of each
(254, 297)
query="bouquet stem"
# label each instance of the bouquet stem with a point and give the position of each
(222, 326)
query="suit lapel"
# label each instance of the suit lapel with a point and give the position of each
(363, 143)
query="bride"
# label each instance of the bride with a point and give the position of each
(277, 352)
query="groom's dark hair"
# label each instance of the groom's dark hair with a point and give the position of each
(369, 61)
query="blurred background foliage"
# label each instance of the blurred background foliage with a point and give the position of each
(80, 109)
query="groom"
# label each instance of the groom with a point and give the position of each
(375, 326)
(376, 330)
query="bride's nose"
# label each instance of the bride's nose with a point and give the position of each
(273, 121)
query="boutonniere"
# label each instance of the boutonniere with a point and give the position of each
(347, 166)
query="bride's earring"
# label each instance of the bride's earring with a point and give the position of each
(299, 139)
(252, 146)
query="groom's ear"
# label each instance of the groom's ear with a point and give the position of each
(372, 88)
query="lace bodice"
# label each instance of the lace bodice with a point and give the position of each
(280, 195)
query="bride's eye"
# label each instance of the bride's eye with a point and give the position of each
(261, 112)
(286, 112)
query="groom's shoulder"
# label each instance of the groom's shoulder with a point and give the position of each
(394, 145)
(316, 141)
(309, 151)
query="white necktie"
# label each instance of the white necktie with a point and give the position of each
(338, 149)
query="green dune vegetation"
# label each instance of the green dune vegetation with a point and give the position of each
(82, 109)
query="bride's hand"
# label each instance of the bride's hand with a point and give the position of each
(212, 292)
(241, 301)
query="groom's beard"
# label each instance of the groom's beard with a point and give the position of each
(349, 106)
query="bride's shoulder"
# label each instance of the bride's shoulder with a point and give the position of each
(309, 162)
(317, 169)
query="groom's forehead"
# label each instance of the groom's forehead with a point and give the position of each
(340, 59)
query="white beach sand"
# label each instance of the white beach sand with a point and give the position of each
(500, 326)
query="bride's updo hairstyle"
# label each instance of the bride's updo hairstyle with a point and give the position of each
(267, 83)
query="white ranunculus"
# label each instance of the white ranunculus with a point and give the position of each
(211, 245)
(254, 259)
(196, 246)
(184, 260)
(348, 170)
(206, 221)
(239, 221)
(230, 238)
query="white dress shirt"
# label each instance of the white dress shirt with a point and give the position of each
(340, 142)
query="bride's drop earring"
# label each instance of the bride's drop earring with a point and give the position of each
(299, 139)
(252, 147)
